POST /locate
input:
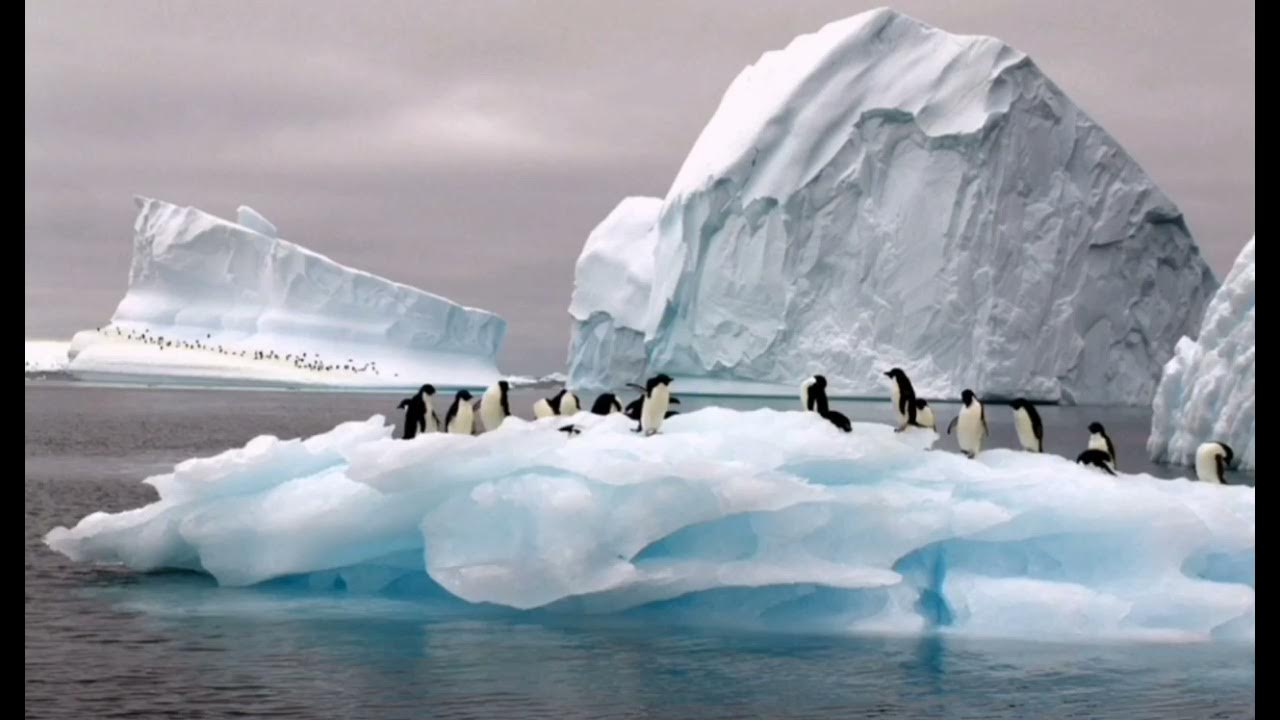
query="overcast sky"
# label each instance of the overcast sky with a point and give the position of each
(468, 148)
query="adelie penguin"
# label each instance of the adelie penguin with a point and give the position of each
(924, 415)
(633, 408)
(1212, 461)
(1099, 440)
(813, 394)
(606, 404)
(903, 397)
(460, 419)
(562, 403)
(419, 414)
(970, 425)
(657, 400)
(1098, 459)
(494, 407)
(1027, 422)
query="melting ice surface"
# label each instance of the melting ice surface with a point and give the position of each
(762, 519)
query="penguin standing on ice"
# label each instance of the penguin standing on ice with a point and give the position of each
(1027, 422)
(657, 400)
(1099, 440)
(970, 425)
(1098, 459)
(493, 405)
(924, 415)
(460, 420)
(813, 393)
(903, 396)
(419, 415)
(634, 407)
(1212, 461)
(606, 404)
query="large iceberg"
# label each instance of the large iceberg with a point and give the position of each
(761, 519)
(882, 193)
(1207, 390)
(46, 357)
(211, 300)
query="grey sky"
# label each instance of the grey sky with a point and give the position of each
(469, 148)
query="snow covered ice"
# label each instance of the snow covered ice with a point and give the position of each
(46, 356)
(762, 519)
(220, 292)
(1207, 390)
(882, 193)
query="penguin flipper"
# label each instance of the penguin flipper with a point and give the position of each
(952, 424)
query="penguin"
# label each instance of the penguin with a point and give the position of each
(1099, 440)
(460, 419)
(1096, 458)
(903, 396)
(569, 404)
(542, 408)
(1212, 461)
(813, 392)
(657, 399)
(562, 403)
(493, 405)
(633, 408)
(972, 422)
(571, 430)
(419, 415)
(1027, 422)
(606, 404)
(924, 415)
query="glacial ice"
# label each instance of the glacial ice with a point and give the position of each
(762, 519)
(1207, 390)
(882, 193)
(46, 356)
(219, 293)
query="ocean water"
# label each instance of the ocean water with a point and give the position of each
(106, 642)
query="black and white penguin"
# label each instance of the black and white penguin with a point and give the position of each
(493, 405)
(562, 403)
(1099, 440)
(813, 393)
(606, 404)
(1096, 458)
(634, 407)
(419, 414)
(970, 424)
(1212, 461)
(1027, 422)
(460, 419)
(924, 415)
(571, 430)
(657, 400)
(903, 397)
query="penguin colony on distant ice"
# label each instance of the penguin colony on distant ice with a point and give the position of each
(653, 406)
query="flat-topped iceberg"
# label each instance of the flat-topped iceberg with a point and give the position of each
(214, 301)
(762, 519)
(882, 193)
(1207, 392)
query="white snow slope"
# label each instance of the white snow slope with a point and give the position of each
(882, 193)
(236, 304)
(1207, 391)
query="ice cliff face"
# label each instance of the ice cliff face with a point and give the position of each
(884, 193)
(221, 292)
(1207, 390)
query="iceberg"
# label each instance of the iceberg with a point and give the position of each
(1207, 390)
(46, 356)
(763, 519)
(214, 301)
(882, 193)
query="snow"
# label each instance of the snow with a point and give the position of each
(236, 305)
(763, 519)
(1207, 392)
(885, 194)
(45, 356)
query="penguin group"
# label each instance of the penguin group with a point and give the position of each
(299, 361)
(653, 407)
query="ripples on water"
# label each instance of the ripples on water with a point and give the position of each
(104, 642)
